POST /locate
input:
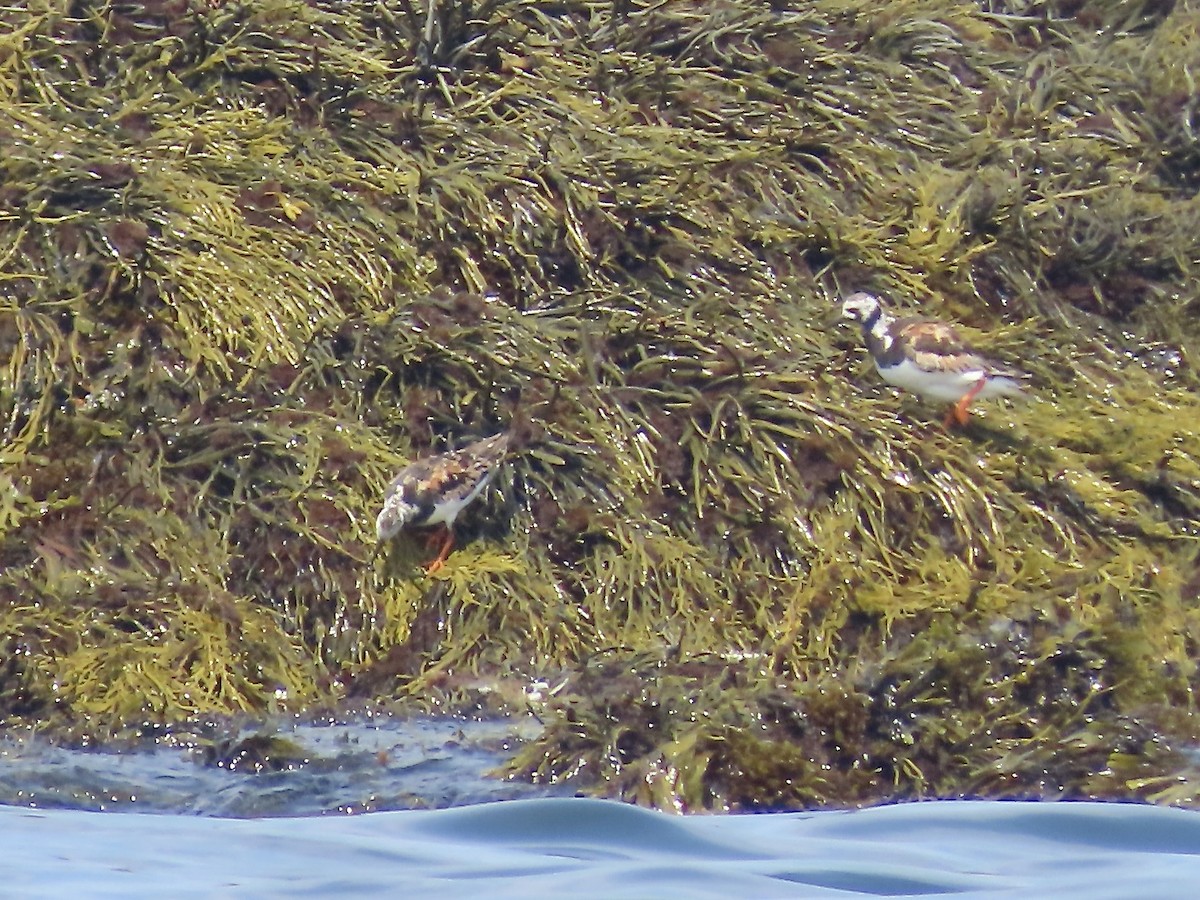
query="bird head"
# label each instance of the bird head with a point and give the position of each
(860, 306)
(394, 516)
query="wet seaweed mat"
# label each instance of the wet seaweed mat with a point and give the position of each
(257, 257)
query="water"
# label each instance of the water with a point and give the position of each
(157, 824)
(600, 849)
(356, 766)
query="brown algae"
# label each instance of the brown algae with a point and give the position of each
(258, 256)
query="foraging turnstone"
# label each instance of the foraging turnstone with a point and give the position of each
(929, 358)
(434, 490)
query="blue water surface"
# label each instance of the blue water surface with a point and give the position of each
(434, 819)
(555, 847)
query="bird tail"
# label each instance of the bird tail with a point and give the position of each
(1007, 385)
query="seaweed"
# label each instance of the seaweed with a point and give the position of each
(255, 257)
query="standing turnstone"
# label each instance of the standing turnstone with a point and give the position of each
(929, 358)
(434, 490)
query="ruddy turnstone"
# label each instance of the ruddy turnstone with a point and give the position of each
(929, 358)
(434, 490)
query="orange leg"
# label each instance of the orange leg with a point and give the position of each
(958, 412)
(447, 537)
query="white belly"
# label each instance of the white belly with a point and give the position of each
(948, 387)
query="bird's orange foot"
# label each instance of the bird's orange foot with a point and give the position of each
(447, 542)
(959, 412)
(957, 415)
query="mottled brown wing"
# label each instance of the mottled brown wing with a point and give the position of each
(451, 475)
(936, 346)
(463, 468)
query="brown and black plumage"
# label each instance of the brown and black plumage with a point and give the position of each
(434, 490)
(929, 357)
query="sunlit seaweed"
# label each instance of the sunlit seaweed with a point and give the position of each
(256, 257)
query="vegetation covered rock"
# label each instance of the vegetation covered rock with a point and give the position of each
(256, 256)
